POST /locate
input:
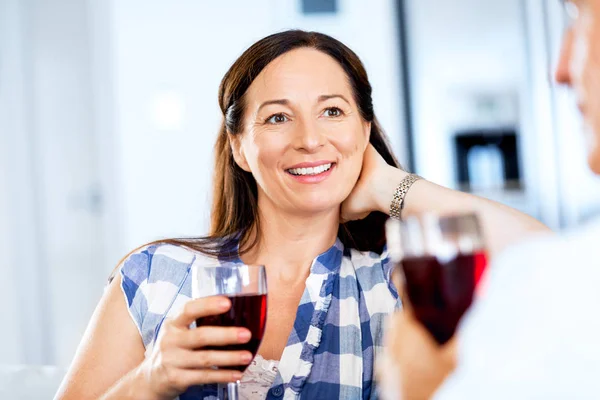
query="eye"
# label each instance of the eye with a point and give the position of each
(333, 112)
(276, 119)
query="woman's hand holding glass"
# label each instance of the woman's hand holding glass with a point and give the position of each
(178, 360)
(416, 363)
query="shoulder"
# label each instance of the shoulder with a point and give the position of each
(551, 255)
(157, 262)
(544, 270)
(158, 269)
(153, 267)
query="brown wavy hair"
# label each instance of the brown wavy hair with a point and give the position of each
(234, 214)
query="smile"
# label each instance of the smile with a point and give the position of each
(310, 171)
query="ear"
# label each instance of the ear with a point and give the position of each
(367, 133)
(238, 152)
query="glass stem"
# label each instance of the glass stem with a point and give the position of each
(232, 390)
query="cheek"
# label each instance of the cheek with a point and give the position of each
(349, 142)
(351, 148)
(262, 155)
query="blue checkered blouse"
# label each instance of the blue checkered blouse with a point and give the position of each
(337, 333)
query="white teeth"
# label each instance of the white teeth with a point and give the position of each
(311, 170)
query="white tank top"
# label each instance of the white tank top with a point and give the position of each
(258, 378)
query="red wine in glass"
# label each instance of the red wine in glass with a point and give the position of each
(441, 259)
(440, 291)
(246, 288)
(247, 310)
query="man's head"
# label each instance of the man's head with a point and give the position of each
(579, 67)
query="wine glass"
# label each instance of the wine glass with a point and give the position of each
(441, 260)
(246, 288)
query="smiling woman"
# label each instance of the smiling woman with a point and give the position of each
(304, 180)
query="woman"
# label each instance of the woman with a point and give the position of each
(299, 153)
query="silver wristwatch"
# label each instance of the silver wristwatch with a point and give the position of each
(397, 203)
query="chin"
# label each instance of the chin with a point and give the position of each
(593, 144)
(319, 208)
(320, 205)
(594, 161)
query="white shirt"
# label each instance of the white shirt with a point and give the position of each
(535, 333)
(258, 378)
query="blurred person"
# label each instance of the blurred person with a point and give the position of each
(304, 181)
(535, 333)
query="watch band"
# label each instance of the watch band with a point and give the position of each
(397, 203)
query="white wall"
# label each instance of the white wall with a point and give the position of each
(19, 228)
(69, 207)
(179, 51)
(10, 104)
(56, 252)
(10, 342)
(180, 47)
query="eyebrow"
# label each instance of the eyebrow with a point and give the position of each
(283, 102)
(332, 96)
(286, 102)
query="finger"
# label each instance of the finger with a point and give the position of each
(213, 336)
(209, 358)
(203, 307)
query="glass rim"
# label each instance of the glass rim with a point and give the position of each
(228, 280)
(434, 234)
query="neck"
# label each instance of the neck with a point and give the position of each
(290, 242)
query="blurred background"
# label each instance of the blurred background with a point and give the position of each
(108, 114)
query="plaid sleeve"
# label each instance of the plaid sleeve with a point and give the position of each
(154, 286)
(135, 272)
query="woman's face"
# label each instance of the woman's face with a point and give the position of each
(303, 138)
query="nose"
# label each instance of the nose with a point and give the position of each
(562, 74)
(308, 138)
